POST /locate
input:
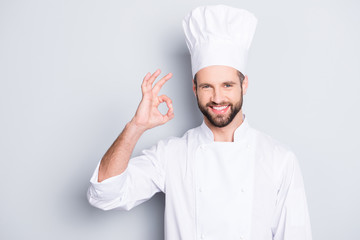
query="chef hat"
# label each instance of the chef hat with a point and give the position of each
(218, 35)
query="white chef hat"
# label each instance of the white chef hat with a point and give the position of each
(219, 35)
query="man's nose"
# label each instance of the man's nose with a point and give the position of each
(217, 96)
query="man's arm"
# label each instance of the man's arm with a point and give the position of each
(147, 116)
(291, 215)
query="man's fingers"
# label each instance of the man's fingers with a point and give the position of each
(153, 77)
(149, 80)
(168, 101)
(146, 77)
(145, 80)
(161, 82)
(167, 118)
(170, 113)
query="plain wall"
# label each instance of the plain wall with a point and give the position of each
(70, 76)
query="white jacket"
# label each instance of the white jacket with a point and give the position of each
(250, 189)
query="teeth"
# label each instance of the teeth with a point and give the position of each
(220, 108)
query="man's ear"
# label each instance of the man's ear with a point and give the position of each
(245, 84)
(194, 87)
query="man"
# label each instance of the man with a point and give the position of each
(223, 179)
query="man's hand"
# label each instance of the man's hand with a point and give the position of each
(147, 114)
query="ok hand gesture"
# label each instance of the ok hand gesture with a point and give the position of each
(147, 114)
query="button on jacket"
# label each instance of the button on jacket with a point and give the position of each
(250, 189)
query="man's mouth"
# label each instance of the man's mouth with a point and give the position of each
(221, 109)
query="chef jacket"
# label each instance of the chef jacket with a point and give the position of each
(248, 189)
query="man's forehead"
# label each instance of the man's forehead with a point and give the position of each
(217, 73)
(217, 69)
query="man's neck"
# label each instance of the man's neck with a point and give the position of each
(225, 134)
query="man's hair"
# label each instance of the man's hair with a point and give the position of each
(241, 77)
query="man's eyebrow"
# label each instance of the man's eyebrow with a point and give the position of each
(203, 84)
(226, 82)
(229, 82)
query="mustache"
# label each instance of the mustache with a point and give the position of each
(211, 104)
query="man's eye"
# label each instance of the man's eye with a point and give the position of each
(228, 85)
(205, 86)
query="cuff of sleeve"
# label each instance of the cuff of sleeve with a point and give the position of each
(109, 189)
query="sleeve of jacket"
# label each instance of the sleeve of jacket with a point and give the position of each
(143, 177)
(291, 217)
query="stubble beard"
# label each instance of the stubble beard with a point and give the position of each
(221, 120)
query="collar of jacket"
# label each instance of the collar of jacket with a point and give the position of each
(239, 134)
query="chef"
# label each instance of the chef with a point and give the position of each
(223, 179)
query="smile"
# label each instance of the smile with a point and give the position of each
(220, 109)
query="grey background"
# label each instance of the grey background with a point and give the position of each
(70, 75)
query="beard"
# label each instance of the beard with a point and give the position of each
(221, 120)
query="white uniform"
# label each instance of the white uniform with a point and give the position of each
(249, 189)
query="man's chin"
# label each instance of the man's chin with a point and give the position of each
(222, 119)
(218, 121)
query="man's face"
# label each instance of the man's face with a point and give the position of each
(219, 94)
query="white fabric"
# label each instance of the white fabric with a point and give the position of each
(249, 189)
(219, 35)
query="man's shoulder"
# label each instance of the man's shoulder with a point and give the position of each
(269, 143)
(176, 146)
(272, 153)
(177, 141)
